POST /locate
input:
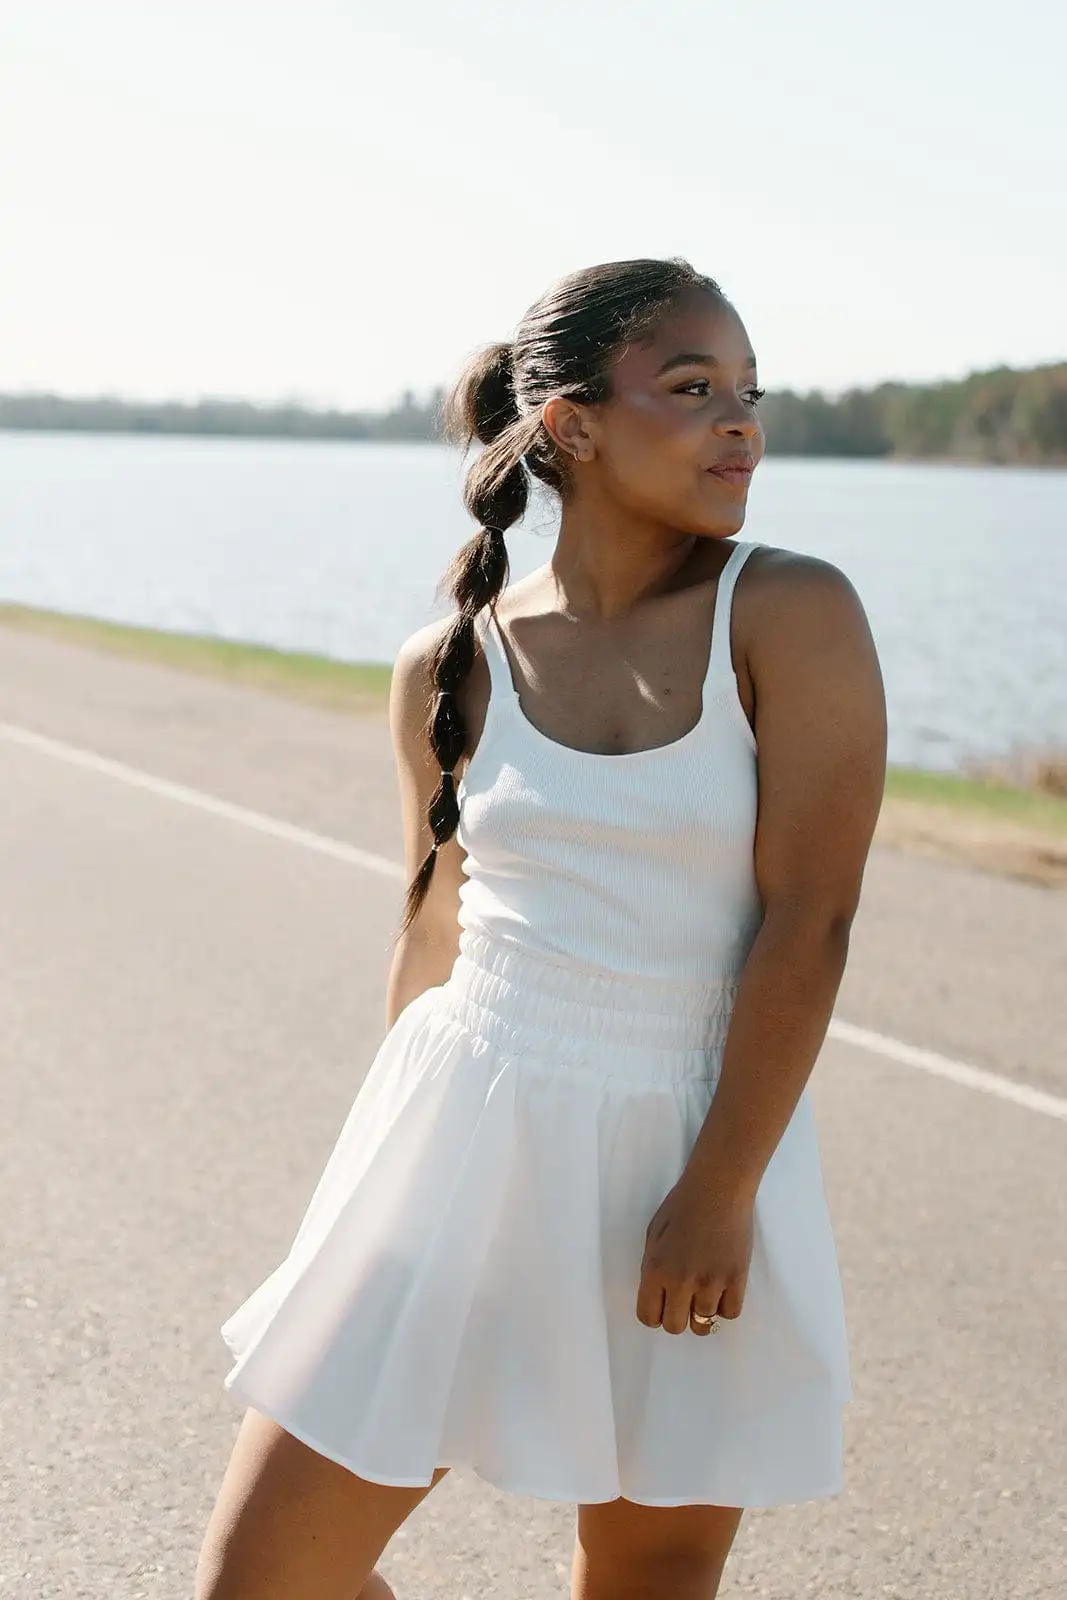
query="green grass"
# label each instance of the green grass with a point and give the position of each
(364, 687)
(353, 686)
(1021, 806)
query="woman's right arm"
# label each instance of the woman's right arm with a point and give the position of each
(423, 956)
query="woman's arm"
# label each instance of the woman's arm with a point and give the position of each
(821, 736)
(423, 956)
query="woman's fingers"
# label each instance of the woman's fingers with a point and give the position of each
(683, 1301)
(649, 1301)
(672, 1306)
(733, 1297)
(678, 1304)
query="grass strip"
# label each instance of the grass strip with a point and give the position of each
(345, 685)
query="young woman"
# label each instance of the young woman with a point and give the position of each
(638, 788)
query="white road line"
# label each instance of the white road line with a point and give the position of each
(203, 802)
(1048, 1105)
(910, 1055)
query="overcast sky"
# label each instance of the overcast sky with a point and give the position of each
(336, 201)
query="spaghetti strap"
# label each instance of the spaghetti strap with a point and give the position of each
(720, 661)
(501, 681)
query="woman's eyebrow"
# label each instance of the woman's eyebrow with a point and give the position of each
(690, 358)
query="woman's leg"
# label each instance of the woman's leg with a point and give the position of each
(626, 1551)
(289, 1524)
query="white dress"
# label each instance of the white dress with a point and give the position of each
(462, 1287)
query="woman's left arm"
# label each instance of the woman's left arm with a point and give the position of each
(821, 753)
(821, 736)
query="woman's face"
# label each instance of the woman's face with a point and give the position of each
(683, 402)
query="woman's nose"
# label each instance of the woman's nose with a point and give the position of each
(740, 424)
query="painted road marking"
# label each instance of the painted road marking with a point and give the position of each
(909, 1055)
(203, 802)
(1021, 1094)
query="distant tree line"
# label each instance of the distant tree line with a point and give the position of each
(1003, 415)
(409, 419)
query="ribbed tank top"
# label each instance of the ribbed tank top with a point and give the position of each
(639, 863)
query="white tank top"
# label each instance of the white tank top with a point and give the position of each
(639, 863)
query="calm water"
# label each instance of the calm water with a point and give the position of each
(338, 548)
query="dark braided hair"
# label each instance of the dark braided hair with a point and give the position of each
(565, 345)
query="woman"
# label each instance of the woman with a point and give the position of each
(586, 1143)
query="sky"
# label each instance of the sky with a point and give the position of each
(334, 202)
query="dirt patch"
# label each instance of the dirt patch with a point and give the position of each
(988, 842)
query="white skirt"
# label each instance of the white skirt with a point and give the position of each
(462, 1288)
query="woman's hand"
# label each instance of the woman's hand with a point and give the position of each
(697, 1253)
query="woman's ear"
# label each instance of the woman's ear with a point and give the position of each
(567, 424)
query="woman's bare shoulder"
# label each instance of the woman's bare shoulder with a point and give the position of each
(789, 575)
(788, 598)
(412, 689)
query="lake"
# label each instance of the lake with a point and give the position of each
(337, 548)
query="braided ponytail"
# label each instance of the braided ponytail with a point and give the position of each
(481, 406)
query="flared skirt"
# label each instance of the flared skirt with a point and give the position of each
(462, 1287)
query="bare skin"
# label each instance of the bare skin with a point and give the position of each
(608, 644)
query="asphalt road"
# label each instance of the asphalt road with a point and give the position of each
(187, 1006)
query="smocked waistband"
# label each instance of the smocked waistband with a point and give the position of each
(528, 1003)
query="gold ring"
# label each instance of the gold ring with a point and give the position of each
(705, 1322)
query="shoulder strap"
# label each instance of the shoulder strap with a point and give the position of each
(488, 632)
(720, 661)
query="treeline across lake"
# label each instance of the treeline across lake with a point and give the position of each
(410, 419)
(1005, 415)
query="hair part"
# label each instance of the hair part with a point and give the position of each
(566, 344)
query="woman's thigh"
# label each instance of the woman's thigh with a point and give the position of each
(626, 1551)
(289, 1524)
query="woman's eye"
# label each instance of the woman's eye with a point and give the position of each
(702, 386)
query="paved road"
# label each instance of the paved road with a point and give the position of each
(187, 1006)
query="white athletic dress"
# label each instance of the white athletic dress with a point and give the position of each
(462, 1288)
